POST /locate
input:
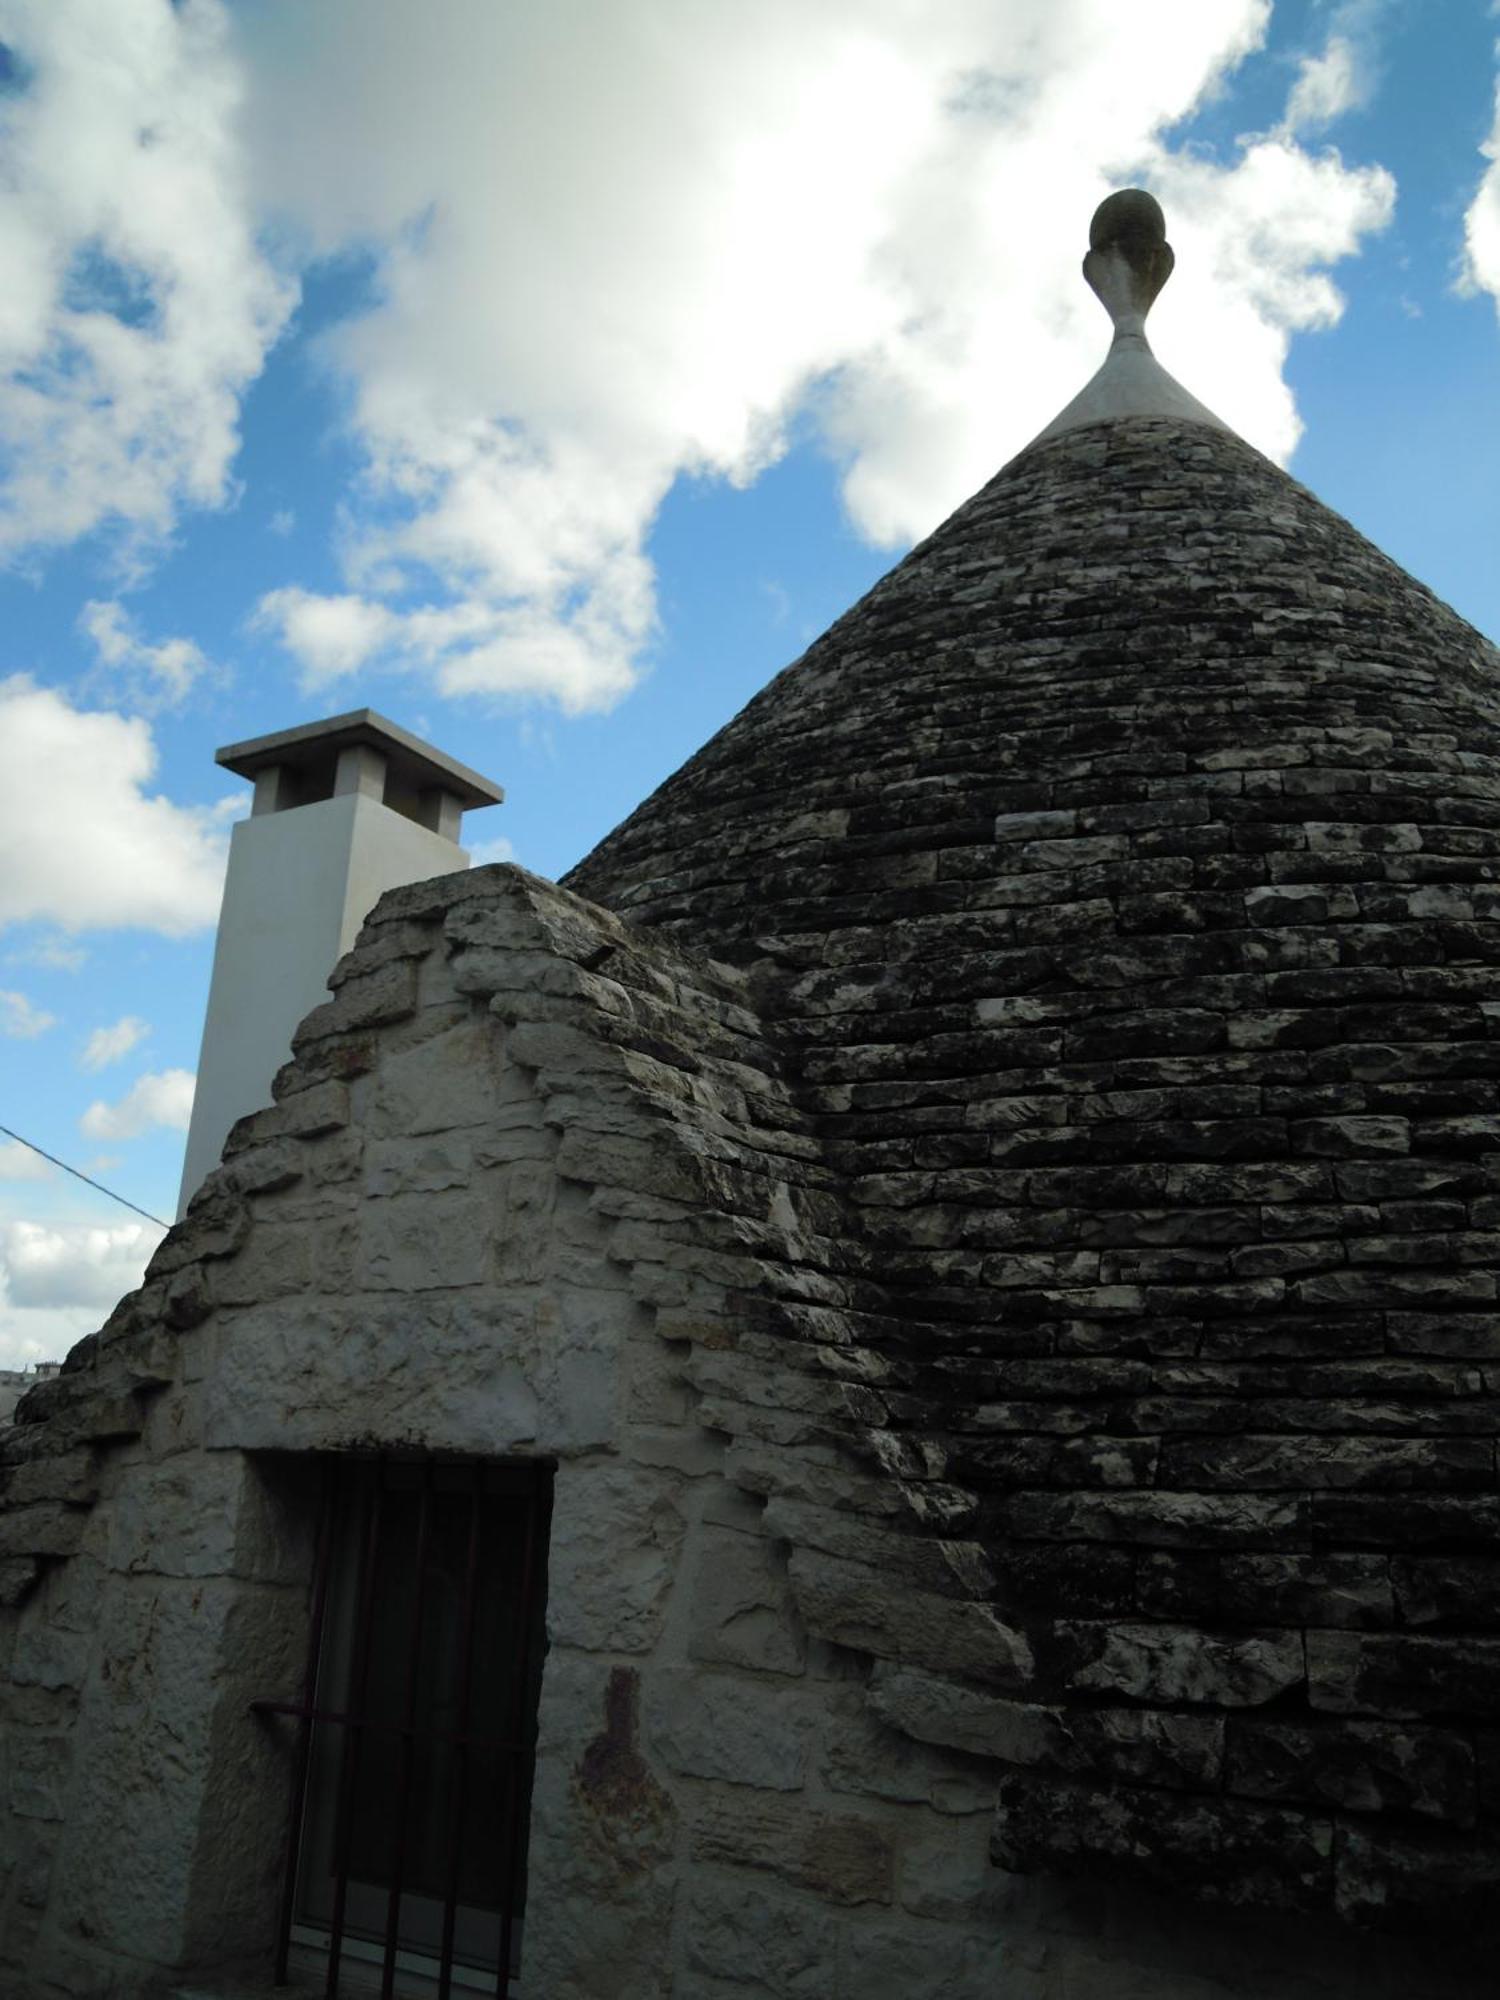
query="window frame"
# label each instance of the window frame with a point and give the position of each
(362, 1481)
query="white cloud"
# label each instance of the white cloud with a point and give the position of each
(83, 844)
(1482, 222)
(330, 636)
(160, 675)
(71, 1264)
(20, 1019)
(611, 244)
(1343, 75)
(160, 1099)
(137, 307)
(1328, 84)
(19, 1163)
(53, 953)
(484, 853)
(617, 243)
(109, 1045)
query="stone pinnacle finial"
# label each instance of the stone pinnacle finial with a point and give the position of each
(1129, 261)
(1129, 257)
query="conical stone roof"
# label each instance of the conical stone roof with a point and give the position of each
(1122, 878)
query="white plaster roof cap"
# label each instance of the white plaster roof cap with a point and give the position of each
(1129, 261)
(414, 762)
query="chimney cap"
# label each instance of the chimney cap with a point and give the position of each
(410, 760)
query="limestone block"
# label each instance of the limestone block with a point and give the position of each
(840, 1858)
(616, 1534)
(1178, 1663)
(728, 1726)
(742, 1611)
(71, 1476)
(944, 1871)
(275, 1260)
(336, 1159)
(1363, 1767)
(268, 1167)
(930, 1961)
(176, 1519)
(684, 1448)
(57, 1624)
(939, 1711)
(657, 1392)
(862, 1756)
(1400, 1675)
(917, 1559)
(365, 1000)
(440, 1084)
(34, 1877)
(418, 1166)
(140, 1754)
(858, 1607)
(413, 1243)
(763, 1942)
(47, 1528)
(310, 1113)
(39, 1776)
(17, 1575)
(451, 1373)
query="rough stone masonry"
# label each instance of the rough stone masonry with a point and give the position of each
(986, 1186)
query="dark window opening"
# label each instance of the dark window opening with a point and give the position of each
(406, 1872)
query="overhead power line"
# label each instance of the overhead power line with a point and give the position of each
(99, 1185)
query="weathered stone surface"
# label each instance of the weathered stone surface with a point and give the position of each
(38, 1776)
(862, 1756)
(1361, 1767)
(1236, 1853)
(742, 1609)
(1076, 1210)
(1175, 1663)
(721, 1726)
(853, 1606)
(750, 1939)
(1390, 1674)
(610, 1574)
(843, 1860)
(1389, 1875)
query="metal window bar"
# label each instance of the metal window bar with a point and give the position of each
(366, 1487)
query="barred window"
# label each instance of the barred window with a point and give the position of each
(406, 1870)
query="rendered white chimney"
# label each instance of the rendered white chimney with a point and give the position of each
(344, 810)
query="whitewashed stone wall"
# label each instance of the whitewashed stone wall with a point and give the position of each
(533, 1187)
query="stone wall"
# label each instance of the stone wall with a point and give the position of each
(1122, 878)
(536, 1186)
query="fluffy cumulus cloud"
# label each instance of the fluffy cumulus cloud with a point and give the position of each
(1482, 222)
(137, 306)
(1341, 76)
(21, 1019)
(161, 1100)
(84, 843)
(617, 243)
(73, 1264)
(156, 674)
(20, 1163)
(58, 1280)
(611, 244)
(111, 1044)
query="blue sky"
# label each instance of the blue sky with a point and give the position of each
(548, 380)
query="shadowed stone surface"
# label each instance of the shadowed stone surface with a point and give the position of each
(1121, 880)
(988, 1188)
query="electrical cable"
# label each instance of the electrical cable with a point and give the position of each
(99, 1185)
